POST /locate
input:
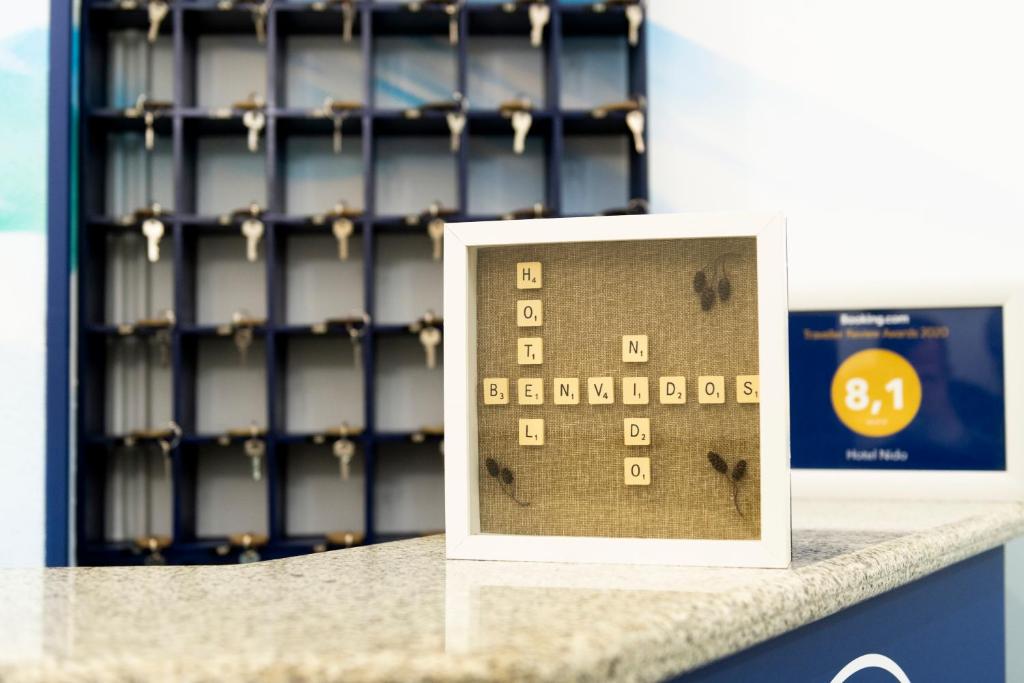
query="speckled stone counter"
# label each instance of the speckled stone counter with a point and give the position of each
(400, 612)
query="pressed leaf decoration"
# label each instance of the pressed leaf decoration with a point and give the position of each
(720, 289)
(492, 467)
(718, 462)
(506, 479)
(724, 288)
(700, 281)
(739, 471)
(707, 299)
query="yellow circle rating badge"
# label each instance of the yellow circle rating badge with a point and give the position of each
(876, 392)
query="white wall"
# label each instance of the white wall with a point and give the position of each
(880, 128)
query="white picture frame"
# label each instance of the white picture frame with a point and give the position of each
(903, 484)
(462, 522)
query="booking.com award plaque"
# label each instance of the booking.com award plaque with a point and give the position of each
(917, 389)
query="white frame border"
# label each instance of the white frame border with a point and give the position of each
(1006, 484)
(462, 521)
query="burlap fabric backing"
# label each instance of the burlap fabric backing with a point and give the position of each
(593, 293)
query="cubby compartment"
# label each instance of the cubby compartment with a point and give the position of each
(594, 71)
(137, 377)
(316, 62)
(126, 176)
(323, 384)
(317, 500)
(412, 171)
(597, 66)
(317, 177)
(226, 284)
(318, 285)
(408, 281)
(501, 181)
(228, 500)
(226, 61)
(500, 68)
(408, 393)
(132, 288)
(136, 67)
(595, 173)
(409, 490)
(413, 59)
(226, 175)
(501, 62)
(138, 493)
(119, 49)
(230, 393)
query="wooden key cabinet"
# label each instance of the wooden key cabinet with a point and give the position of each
(270, 181)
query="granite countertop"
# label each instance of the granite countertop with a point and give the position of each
(399, 611)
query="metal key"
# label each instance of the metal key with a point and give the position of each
(348, 17)
(252, 231)
(521, 122)
(150, 136)
(255, 448)
(435, 230)
(430, 337)
(540, 14)
(339, 120)
(157, 12)
(456, 124)
(344, 450)
(243, 340)
(254, 120)
(169, 443)
(153, 230)
(452, 10)
(355, 335)
(249, 543)
(259, 18)
(342, 228)
(162, 339)
(635, 121)
(635, 17)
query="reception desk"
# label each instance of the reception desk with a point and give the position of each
(893, 589)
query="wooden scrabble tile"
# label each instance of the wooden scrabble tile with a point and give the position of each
(711, 389)
(634, 348)
(531, 391)
(636, 471)
(634, 391)
(528, 275)
(748, 388)
(566, 391)
(530, 350)
(531, 432)
(495, 391)
(672, 390)
(600, 390)
(529, 313)
(637, 431)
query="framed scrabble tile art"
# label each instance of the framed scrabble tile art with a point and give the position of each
(616, 390)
